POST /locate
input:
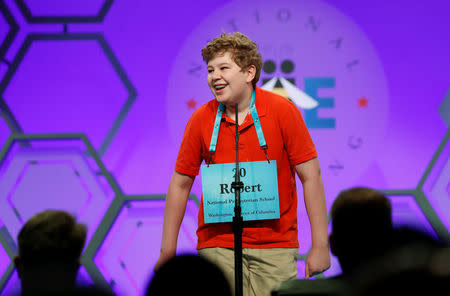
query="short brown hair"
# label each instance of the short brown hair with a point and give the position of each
(51, 236)
(362, 228)
(244, 51)
(361, 207)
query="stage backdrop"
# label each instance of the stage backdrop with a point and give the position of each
(95, 95)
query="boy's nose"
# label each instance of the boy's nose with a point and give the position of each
(215, 76)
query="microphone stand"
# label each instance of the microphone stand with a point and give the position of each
(237, 185)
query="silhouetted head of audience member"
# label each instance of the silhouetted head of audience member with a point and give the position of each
(189, 275)
(50, 246)
(361, 227)
(416, 264)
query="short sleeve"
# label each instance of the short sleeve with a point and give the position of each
(190, 154)
(297, 140)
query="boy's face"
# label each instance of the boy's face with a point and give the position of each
(227, 81)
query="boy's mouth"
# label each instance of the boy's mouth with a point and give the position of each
(219, 86)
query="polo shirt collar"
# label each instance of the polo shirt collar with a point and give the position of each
(260, 103)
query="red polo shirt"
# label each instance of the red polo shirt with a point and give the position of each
(289, 143)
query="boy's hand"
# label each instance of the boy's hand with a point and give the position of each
(318, 261)
(163, 258)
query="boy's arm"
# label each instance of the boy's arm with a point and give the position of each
(175, 207)
(319, 257)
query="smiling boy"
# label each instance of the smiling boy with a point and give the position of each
(270, 247)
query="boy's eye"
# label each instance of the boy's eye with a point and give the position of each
(223, 68)
(210, 70)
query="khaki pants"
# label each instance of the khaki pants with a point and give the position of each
(262, 269)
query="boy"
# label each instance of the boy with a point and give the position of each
(270, 247)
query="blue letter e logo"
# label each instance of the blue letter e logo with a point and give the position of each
(311, 87)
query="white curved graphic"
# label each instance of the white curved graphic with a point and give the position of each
(299, 97)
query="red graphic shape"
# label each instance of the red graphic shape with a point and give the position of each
(363, 102)
(191, 103)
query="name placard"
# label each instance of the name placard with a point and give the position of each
(259, 197)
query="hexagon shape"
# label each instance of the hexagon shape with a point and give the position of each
(8, 29)
(35, 175)
(444, 109)
(53, 11)
(41, 172)
(49, 67)
(131, 247)
(436, 182)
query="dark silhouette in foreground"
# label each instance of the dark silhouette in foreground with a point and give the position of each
(50, 246)
(416, 264)
(361, 227)
(189, 275)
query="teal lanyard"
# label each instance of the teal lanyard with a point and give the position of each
(256, 122)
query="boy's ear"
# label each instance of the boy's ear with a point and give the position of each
(251, 71)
